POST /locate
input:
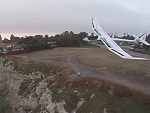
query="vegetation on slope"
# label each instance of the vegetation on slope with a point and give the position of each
(97, 95)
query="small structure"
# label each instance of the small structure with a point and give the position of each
(3, 48)
(17, 48)
(52, 43)
(14, 49)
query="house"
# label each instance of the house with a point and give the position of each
(3, 47)
(17, 47)
(52, 44)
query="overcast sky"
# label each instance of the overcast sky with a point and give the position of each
(27, 17)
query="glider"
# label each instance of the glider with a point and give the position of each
(110, 43)
(141, 39)
(138, 39)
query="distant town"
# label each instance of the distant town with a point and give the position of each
(19, 45)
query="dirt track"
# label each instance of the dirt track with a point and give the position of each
(136, 81)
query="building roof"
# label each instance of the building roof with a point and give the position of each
(17, 47)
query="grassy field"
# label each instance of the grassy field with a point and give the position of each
(103, 59)
(3, 106)
(99, 59)
(56, 55)
(56, 52)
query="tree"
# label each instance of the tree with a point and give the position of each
(14, 39)
(6, 40)
(148, 38)
(71, 33)
(92, 34)
(0, 37)
(46, 37)
(79, 38)
(38, 36)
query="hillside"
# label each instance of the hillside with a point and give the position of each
(48, 82)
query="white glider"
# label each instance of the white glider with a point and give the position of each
(138, 39)
(141, 39)
(109, 43)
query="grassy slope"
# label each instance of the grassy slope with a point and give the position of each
(3, 106)
(101, 59)
(113, 104)
(103, 99)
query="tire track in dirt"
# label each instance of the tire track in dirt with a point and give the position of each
(85, 71)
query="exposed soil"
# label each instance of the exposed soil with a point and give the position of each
(89, 63)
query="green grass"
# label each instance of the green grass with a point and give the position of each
(125, 105)
(101, 100)
(28, 86)
(3, 106)
(24, 88)
(113, 104)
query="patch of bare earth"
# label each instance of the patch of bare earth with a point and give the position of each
(134, 74)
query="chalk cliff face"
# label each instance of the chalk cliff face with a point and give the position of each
(34, 92)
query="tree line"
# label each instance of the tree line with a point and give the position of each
(66, 39)
(40, 42)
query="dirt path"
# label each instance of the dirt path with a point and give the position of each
(140, 83)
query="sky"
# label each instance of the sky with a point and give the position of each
(31, 17)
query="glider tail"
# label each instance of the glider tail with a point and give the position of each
(142, 36)
(135, 37)
(143, 39)
(139, 37)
